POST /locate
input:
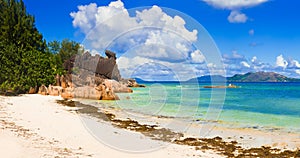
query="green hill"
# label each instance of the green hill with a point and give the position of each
(261, 77)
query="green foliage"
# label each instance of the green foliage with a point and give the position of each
(54, 47)
(25, 60)
(63, 51)
(68, 49)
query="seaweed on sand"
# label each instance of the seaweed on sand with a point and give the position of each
(228, 149)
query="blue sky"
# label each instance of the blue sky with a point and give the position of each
(262, 35)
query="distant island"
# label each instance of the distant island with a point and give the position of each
(248, 77)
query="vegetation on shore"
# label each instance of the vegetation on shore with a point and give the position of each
(247, 77)
(26, 59)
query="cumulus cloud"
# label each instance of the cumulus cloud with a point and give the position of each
(140, 37)
(85, 17)
(102, 24)
(157, 18)
(128, 66)
(236, 63)
(235, 5)
(281, 62)
(258, 65)
(293, 63)
(153, 69)
(237, 17)
(163, 45)
(197, 57)
(150, 42)
(245, 64)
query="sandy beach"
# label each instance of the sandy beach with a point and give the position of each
(37, 126)
(149, 79)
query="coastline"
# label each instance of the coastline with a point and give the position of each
(55, 130)
(61, 132)
(245, 136)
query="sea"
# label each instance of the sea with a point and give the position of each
(262, 106)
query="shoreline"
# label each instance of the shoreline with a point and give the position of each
(58, 129)
(214, 142)
(245, 136)
(174, 143)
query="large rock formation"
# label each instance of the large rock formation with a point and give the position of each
(118, 87)
(105, 68)
(101, 92)
(94, 77)
(90, 77)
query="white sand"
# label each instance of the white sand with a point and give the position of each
(36, 126)
(246, 137)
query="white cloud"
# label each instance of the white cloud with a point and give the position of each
(89, 14)
(245, 64)
(124, 62)
(236, 63)
(162, 45)
(251, 32)
(257, 65)
(157, 18)
(85, 17)
(254, 59)
(127, 66)
(150, 69)
(234, 4)
(294, 64)
(237, 17)
(197, 57)
(281, 62)
(102, 24)
(139, 38)
(211, 65)
(181, 47)
(165, 41)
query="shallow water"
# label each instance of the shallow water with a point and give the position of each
(253, 105)
(263, 106)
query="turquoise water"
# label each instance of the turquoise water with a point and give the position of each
(253, 105)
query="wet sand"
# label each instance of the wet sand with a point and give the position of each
(225, 148)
